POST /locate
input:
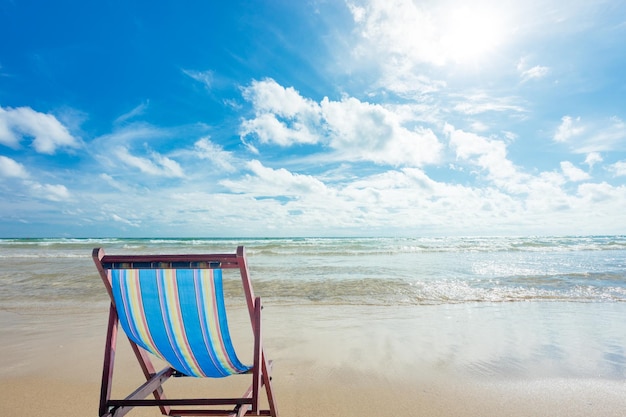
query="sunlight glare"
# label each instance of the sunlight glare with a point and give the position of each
(468, 35)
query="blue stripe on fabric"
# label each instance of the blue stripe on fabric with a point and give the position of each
(200, 341)
(224, 361)
(160, 317)
(221, 314)
(192, 310)
(195, 311)
(125, 306)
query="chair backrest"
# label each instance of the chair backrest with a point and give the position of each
(178, 315)
(173, 307)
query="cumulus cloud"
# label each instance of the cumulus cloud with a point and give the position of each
(593, 158)
(489, 154)
(370, 132)
(355, 130)
(266, 181)
(47, 131)
(618, 169)
(283, 116)
(12, 169)
(573, 173)
(568, 129)
(269, 128)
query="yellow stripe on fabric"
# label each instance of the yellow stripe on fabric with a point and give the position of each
(212, 318)
(135, 303)
(177, 325)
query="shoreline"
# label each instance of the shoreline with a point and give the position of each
(507, 359)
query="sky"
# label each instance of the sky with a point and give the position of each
(278, 118)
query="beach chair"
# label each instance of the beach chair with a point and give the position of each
(172, 307)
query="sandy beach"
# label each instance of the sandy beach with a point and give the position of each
(446, 360)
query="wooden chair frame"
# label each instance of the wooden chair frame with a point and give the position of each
(246, 404)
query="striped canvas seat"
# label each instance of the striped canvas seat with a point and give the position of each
(178, 315)
(172, 307)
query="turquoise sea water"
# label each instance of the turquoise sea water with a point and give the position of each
(491, 307)
(352, 271)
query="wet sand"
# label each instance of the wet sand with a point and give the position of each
(506, 359)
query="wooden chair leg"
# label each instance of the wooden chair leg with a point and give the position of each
(109, 361)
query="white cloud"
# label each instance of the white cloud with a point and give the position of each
(435, 33)
(531, 73)
(608, 135)
(602, 193)
(479, 126)
(205, 149)
(47, 132)
(204, 77)
(363, 131)
(573, 173)
(52, 192)
(275, 182)
(12, 169)
(593, 158)
(268, 96)
(123, 220)
(489, 154)
(355, 130)
(618, 169)
(9, 168)
(157, 165)
(7, 136)
(267, 128)
(482, 103)
(540, 192)
(568, 129)
(593, 135)
(534, 73)
(113, 182)
(404, 80)
(137, 111)
(409, 45)
(283, 116)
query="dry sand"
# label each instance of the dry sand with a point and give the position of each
(329, 361)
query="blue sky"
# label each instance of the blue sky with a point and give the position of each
(312, 118)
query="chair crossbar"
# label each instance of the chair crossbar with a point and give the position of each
(228, 261)
(164, 265)
(182, 412)
(181, 402)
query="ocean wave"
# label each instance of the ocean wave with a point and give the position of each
(386, 271)
(402, 292)
(83, 284)
(386, 246)
(330, 246)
